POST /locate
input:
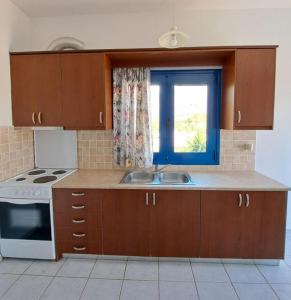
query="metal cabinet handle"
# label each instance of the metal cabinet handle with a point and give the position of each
(154, 199)
(78, 194)
(80, 221)
(79, 235)
(33, 118)
(101, 117)
(248, 200)
(78, 206)
(240, 200)
(39, 118)
(147, 199)
(79, 248)
(238, 116)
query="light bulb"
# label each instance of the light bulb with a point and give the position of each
(173, 41)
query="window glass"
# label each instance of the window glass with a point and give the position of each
(190, 118)
(155, 114)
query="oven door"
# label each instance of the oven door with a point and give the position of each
(25, 229)
(25, 219)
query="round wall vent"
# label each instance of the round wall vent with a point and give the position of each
(66, 43)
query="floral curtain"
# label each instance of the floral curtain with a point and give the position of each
(132, 136)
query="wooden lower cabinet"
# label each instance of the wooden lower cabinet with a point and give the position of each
(77, 219)
(264, 225)
(170, 223)
(125, 223)
(253, 227)
(175, 223)
(221, 224)
(151, 223)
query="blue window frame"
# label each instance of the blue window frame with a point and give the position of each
(168, 81)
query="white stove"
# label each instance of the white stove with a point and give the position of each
(26, 214)
(34, 184)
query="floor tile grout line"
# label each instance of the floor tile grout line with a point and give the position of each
(89, 276)
(195, 283)
(159, 289)
(230, 280)
(19, 276)
(65, 260)
(53, 275)
(123, 279)
(52, 279)
(269, 284)
(13, 283)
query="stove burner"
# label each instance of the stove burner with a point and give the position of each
(20, 179)
(45, 179)
(36, 172)
(59, 172)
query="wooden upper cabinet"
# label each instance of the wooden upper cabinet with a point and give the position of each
(74, 89)
(248, 89)
(86, 91)
(36, 90)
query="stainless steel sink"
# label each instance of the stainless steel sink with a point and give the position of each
(174, 178)
(157, 178)
(138, 177)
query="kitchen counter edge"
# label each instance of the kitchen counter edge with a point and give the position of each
(222, 180)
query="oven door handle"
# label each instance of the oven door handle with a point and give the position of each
(24, 202)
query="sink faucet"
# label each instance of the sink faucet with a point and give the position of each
(157, 169)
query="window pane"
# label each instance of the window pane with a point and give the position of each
(190, 118)
(155, 106)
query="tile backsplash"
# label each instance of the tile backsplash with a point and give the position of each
(95, 151)
(16, 151)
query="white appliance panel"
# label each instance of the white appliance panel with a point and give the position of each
(27, 249)
(55, 149)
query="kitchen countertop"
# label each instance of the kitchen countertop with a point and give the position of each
(224, 180)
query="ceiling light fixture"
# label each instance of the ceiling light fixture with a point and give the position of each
(173, 38)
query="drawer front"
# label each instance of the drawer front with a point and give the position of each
(76, 221)
(78, 247)
(79, 233)
(72, 199)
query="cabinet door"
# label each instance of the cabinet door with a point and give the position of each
(221, 224)
(264, 225)
(83, 90)
(125, 221)
(36, 90)
(175, 223)
(254, 88)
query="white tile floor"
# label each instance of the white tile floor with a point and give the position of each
(132, 279)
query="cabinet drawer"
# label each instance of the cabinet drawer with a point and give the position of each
(78, 247)
(76, 220)
(74, 199)
(79, 233)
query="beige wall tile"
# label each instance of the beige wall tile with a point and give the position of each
(16, 151)
(95, 151)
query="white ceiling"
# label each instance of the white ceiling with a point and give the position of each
(46, 8)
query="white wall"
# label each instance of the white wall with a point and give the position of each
(14, 34)
(228, 27)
